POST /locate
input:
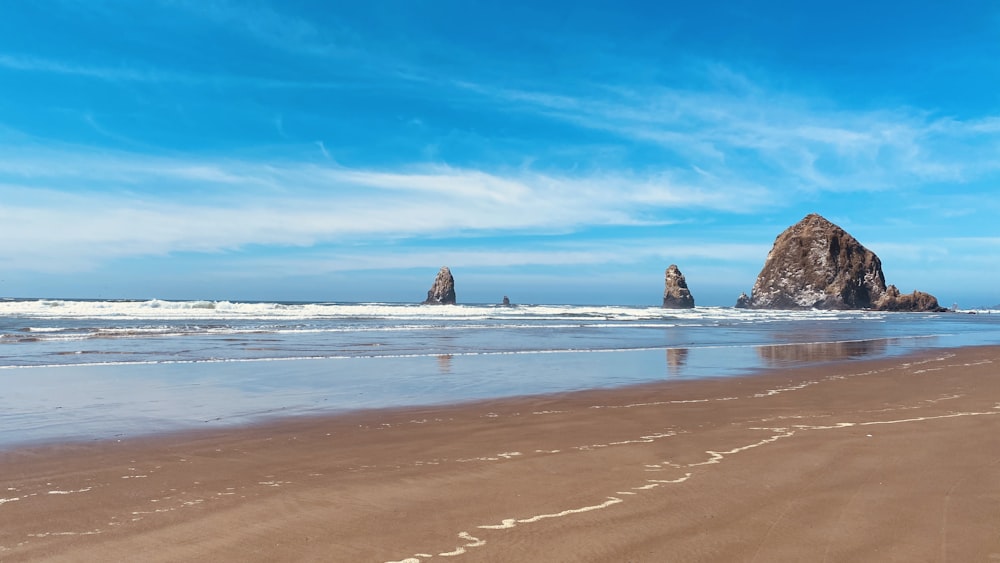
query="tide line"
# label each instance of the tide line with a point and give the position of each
(717, 457)
(58, 492)
(508, 523)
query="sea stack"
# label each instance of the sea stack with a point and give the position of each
(443, 290)
(743, 301)
(675, 291)
(815, 264)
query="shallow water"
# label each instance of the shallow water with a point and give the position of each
(99, 370)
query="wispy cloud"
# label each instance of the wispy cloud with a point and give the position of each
(30, 63)
(140, 72)
(109, 206)
(800, 143)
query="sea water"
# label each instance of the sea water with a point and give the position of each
(86, 369)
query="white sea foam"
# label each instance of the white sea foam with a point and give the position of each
(647, 439)
(652, 404)
(780, 390)
(59, 492)
(718, 456)
(512, 522)
(495, 457)
(159, 309)
(47, 534)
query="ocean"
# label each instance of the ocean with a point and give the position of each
(111, 369)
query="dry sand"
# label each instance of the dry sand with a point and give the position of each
(890, 460)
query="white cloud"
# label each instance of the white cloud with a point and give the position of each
(115, 205)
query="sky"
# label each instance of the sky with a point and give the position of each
(555, 152)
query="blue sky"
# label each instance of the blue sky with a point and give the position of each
(565, 153)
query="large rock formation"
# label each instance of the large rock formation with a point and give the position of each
(675, 292)
(443, 290)
(816, 264)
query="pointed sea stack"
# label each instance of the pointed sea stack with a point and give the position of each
(443, 290)
(743, 301)
(815, 264)
(675, 291)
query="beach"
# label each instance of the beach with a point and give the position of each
(888, 459)
(519, 282)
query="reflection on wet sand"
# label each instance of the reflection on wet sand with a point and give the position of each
(676, 360)
(444, 363)
(821, 351)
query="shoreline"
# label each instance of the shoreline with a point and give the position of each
(88, 402)
(785, 464)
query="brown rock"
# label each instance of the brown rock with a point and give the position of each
(442, 292)
(816, 264)
(675, 292)
(892, 300)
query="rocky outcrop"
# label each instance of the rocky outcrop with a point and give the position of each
(743, 301)
(443, 290)
(892, 300)
(505, 302)
(675, 292)
(815, 264)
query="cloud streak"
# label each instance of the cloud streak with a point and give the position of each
(781, 138)
(123, 205)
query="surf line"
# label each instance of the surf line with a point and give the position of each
(839, 425)
(507, 524)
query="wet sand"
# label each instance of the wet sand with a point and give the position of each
(889, 460)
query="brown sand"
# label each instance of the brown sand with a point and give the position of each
(891, 460)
